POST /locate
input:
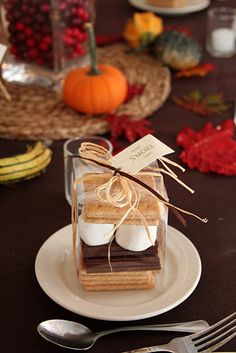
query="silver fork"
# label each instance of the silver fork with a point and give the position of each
(205, 341)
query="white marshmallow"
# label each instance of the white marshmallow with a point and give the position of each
(94, 234)
(135, 238)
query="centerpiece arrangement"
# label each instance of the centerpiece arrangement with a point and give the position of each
(55, 118)
(136, 83)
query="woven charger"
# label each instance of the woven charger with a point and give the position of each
(37, 113)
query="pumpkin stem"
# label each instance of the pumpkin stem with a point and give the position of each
(92, 50)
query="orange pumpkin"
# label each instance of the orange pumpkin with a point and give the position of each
(98, 89)
(95, 94)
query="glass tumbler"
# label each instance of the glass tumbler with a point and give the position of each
(77, 167)
(221, 32)
(45, 38)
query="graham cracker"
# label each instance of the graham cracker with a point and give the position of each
(104, 212)
(117, 280)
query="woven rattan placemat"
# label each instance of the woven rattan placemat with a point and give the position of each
(37, 113)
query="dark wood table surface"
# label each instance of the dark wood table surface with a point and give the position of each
(32, 211)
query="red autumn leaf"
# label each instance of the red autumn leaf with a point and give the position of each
(118, 146)
(134, 90)
(212, 149)
(200, 70)
(212, 104)
(188, 137)
(126, 126)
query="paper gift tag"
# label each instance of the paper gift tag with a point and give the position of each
(3, 50)
(140, 154)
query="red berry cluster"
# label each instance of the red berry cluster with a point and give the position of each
(32, 34)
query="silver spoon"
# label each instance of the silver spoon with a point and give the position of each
(73, 335)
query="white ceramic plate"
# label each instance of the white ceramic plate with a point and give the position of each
(57, 277)
(193, 6)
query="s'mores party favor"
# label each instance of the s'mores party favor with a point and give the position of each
(119, 234)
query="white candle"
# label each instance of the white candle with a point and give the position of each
(223, 40)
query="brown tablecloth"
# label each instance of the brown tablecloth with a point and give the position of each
(31, 211)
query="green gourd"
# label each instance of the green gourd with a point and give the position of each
(26, 165)
(177, 50)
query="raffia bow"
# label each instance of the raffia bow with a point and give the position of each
(121, 188)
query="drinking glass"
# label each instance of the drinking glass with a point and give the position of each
(77, 167)
(221, 31)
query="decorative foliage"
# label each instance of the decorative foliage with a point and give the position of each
(200, 70)
(129, 128)
(211, 149)
(134, 90)
(212, 104)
